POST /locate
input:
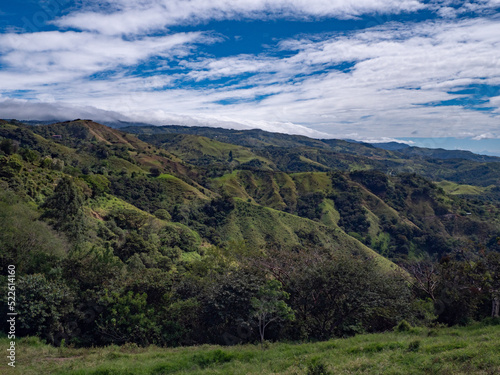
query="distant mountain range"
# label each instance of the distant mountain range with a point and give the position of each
(490, 147)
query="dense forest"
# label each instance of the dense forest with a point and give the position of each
(182, 236)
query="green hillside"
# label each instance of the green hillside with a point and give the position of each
(181, 239)
(292, 153)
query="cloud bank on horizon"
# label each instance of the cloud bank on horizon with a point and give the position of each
(358, 69)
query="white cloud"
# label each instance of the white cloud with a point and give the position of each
(30, 110)
(61, 55)
(382, 140)
(455, 8)
(45, 111)
(484, 136)
(397, 69)
(135, 17)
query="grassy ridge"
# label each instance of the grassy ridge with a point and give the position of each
(457, 189)
(466, 350)
(256, 225)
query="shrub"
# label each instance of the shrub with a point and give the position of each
(414, 346)
(99, 184)
(162, 214)
(403, 326)
(317, 367)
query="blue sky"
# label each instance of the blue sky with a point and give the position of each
(362, 69)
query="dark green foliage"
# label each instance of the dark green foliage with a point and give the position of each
(207, 218)
(339, 180)
(44, 307)
(339, 295)
(403, 326)
(46, 162)
(148, 194)
(352, 214)
(155, 172)
(129, 218)
(309, 206)
(175, 235)
(57, 164)
(29, 155)
(98, 183)
(10, 166)
(227, 305)
(127, 318)
(134, 243)
(65, 208)
(375, 181)
(181, 322)
(269, 306)
(463, 287)
(8, 146)
(91, 268)
(163, 214)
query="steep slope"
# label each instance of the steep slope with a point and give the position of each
(91, 156)
(397, 216)
(83, 147)
(73, 133)
(194, 179)
(262, 227)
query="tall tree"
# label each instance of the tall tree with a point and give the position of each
(270, 306)
(65, 208)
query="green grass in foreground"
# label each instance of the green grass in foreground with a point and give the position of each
(466, 350)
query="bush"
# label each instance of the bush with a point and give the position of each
(317, 367)
(10, 166)
(338, 283)
(46, 162)
(162, 214)
(403, 326)
(99, 184)
(30, 155)
(414, 346)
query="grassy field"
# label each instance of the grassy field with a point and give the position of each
(457, 189)
(465, 350)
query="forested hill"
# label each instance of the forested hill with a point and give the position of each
(300, 153)
(170, 237)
